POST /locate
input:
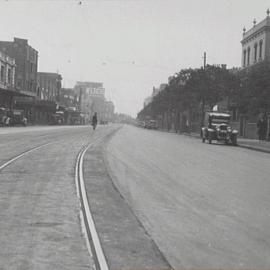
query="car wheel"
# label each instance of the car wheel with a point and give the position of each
(234, 140)
(203, 139)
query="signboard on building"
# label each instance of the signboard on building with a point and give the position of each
(95, 92)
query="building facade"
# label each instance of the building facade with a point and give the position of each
(155, 92)
(26, 59)
(109, 111)
(256, 43)
(68, 98)
(49, 86)
(91, 99)
(7, 80)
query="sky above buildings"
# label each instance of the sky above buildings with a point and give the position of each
(130, 46)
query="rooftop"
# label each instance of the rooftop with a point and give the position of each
(256, 28)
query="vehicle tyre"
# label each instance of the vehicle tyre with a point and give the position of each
(203, 139)
(209, 138)
(234, 140)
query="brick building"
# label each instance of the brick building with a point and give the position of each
(26, 60)
(7, 80)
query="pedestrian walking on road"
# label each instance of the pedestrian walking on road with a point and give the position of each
(262, 127)
(94, 121)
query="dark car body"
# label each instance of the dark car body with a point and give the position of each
(216, 127)
(17, 117)
(151, 124)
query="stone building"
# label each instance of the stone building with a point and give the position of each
(256, 43)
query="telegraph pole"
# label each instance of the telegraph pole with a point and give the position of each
(204, 60)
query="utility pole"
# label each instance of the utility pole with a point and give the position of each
(203, 99)
(204, 60)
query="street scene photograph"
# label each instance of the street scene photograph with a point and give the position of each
(134, 135)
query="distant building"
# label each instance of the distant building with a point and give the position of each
(91, 99)
(155, 92)
(109, 111)
(26, 59)
(68, 98)
(7, 80)
(147, 101)
(256, 43)
(49, 85)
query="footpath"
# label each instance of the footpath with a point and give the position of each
(252, 144)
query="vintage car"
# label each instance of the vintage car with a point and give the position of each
(4, 118)
(151, 124)
(57, 118)
(17, 117)
(216, 127)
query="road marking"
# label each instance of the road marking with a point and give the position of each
(22, 155)
(89, 225)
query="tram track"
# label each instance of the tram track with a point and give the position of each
(88, 226)
(23, 154)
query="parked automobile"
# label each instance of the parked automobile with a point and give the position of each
(58, 118)
(216, 127)
(151, 124)
(103, 122)
(17, 117)
(140, 124)
(4, 118)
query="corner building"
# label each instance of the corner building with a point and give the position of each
(256, 43)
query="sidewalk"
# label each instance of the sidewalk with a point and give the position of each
(246, 143)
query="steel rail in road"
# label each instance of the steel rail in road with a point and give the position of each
(22, 155)
(92, 238)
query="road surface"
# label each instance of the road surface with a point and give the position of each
(158, 200)
(39, 209)
(205, 206)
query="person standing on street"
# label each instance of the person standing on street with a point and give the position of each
(94, 121)
(262, 127)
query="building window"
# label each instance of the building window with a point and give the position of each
(244, 56)
(255, 52)
(9, 76)
(260, 49)
(2, 73)
(248, 55)
(19, 83)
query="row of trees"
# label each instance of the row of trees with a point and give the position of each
(198, 89)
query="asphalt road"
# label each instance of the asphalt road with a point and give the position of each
(158, 200)
(204, 206)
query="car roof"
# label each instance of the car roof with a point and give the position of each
(216, 114)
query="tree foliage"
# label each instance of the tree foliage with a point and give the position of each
(193, 88)
(254, 94)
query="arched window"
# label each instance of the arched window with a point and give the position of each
(244, 58)
(248, 55)
(260, 49)
(255, 52)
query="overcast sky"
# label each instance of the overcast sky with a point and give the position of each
(130, 46)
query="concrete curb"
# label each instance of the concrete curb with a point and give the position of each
(243, 145)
